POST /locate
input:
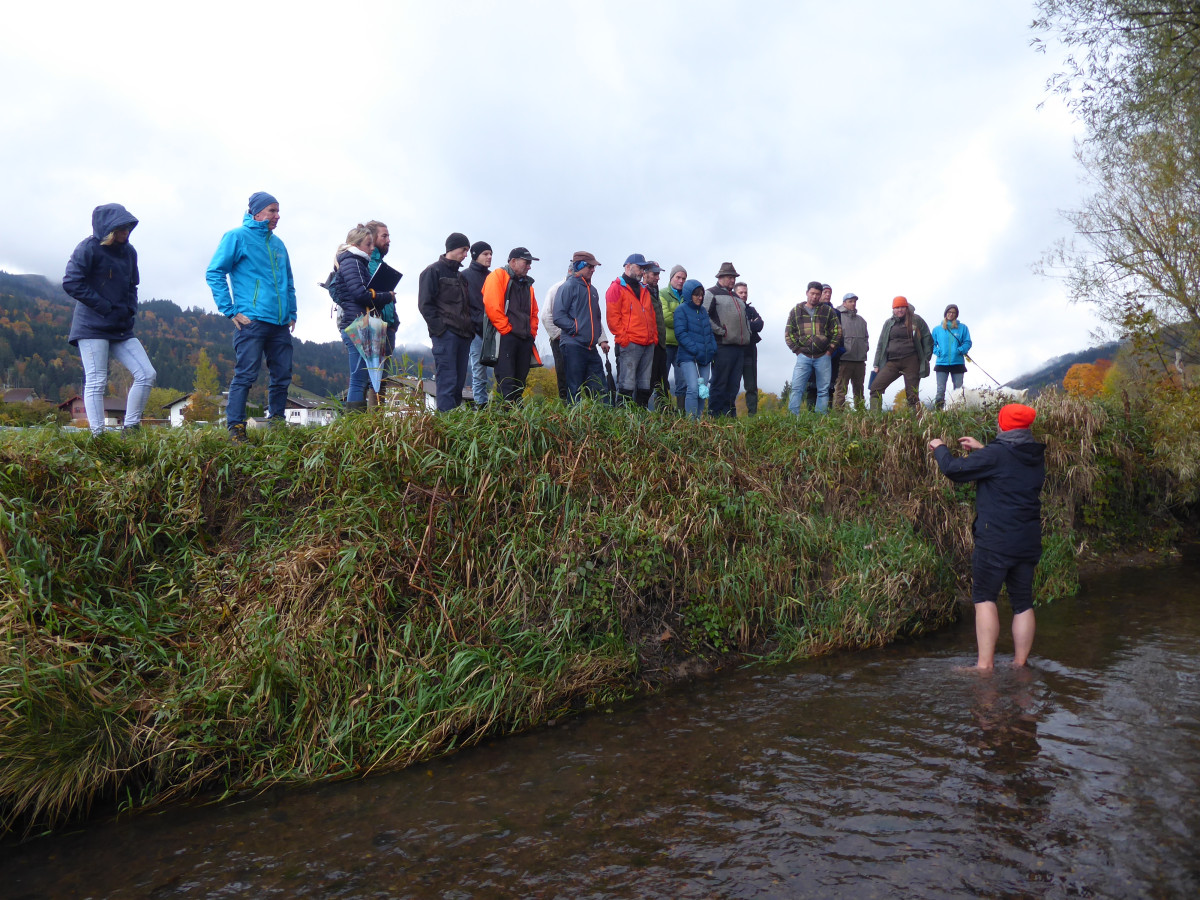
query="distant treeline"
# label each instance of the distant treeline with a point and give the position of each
(35, 319)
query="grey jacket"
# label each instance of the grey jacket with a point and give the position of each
(728, 314)
(854, 336)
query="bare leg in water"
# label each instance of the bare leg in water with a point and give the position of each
(987, 632)
(1023, 628)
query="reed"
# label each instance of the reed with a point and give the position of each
(179, 614)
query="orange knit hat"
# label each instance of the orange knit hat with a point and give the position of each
(1016, 415)
(897, 302)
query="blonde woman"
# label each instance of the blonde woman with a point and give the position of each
(354, 298)
(102, 277)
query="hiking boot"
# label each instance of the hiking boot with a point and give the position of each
(237, 434)
(130, 430)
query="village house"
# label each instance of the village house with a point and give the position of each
(20, 395)
(114, 411)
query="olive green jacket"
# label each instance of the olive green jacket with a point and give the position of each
(922, 340)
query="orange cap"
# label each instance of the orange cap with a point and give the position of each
(1016, 415)
(897, 302)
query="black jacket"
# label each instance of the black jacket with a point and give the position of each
(476, 274)
(442, 298)
(1008, 474)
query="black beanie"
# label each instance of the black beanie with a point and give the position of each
(477, 248)
(457, 240)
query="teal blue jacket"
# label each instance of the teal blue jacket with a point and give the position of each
(951, 345)
(256, 264)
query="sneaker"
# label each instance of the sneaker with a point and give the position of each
(130, 430)
(237, 434)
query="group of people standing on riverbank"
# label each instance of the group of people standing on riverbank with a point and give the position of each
(490, 317)
(680, 340)
(677, 345)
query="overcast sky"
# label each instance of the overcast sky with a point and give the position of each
(884, 148)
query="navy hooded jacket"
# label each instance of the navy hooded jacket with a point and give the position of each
(103, 280)
(1008, 474)
(693, 329)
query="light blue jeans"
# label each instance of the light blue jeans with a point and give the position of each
(692, 373)
(820, 368)
(957, 377)
(95, 354)
(481, 375)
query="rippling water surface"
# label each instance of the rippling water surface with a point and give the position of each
(878, 774)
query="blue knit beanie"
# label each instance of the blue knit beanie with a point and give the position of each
(259, 201)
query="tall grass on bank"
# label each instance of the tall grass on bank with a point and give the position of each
(180, 614)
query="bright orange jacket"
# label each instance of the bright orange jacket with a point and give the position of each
(495, 291)
(630, 316)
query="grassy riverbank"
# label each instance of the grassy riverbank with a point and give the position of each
(179, 614)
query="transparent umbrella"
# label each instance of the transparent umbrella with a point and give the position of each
(369, 335)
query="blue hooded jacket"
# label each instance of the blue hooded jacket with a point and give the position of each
(103, 280)
(256, 263)
(950, 346)
(693, 329)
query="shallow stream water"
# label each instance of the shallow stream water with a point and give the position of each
(878, 774)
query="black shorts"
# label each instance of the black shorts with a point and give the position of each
(990, 571)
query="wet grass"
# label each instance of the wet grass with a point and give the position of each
(178, 614)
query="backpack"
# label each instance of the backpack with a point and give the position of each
(331, 284)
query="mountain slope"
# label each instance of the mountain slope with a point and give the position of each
(35, 319)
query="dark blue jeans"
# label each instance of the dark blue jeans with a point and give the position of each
(451, 355)
(359, 376)
(251, 343)
(726, 379)
(583, 371)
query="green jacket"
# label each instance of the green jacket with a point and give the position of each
(922, 340)
(670, 300)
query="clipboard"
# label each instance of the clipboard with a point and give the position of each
(385, 278)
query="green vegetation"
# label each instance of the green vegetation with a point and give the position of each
(180, 614)
(1131, 74)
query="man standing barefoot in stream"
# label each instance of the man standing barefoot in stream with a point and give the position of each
(1008, 474)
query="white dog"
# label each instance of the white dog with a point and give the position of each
(976, 398)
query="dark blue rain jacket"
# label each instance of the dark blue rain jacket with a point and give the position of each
(103, 280)
(1008, 475)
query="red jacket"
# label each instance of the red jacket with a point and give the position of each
(631, 316)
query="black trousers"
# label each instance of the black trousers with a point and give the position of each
(512, 366)
(560, 369)
(750, 379)
(659, 372)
